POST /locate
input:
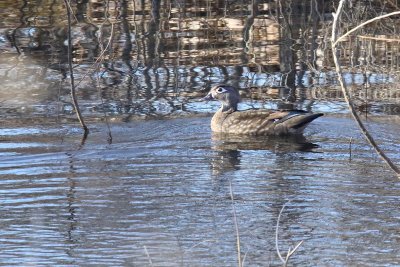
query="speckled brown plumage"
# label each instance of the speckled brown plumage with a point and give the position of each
(254, 122)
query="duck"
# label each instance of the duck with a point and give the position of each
(257, 122)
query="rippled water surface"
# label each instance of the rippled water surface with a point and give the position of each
(164, 191)
(159, 195)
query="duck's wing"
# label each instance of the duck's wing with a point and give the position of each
(249, 121)
(261, 122)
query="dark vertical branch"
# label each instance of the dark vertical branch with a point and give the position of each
(73, 92)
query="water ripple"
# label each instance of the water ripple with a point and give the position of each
(161, 192)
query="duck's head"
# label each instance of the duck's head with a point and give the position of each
(227, 95)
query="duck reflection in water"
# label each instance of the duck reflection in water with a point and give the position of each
(229, 148)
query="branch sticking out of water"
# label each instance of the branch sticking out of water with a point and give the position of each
(148, 256)
(335, 40)
(71, 73)
(291, 251)
(350, 148)
(236, 227)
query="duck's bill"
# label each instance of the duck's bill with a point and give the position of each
(207, 98)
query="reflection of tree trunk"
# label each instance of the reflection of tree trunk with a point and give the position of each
(149, 86)
(287, 55)
(126, 53)
(314, 34)
(247, 30)
(22, 19)
(140, 33)
(153, 38)
(81, 10)
(238, 73)
(71, 202)
(127, 50)
(225, 73)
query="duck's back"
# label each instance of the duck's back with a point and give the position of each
(262, 122)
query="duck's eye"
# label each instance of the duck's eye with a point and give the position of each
(220, 90)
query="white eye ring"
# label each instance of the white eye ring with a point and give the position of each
(220, 90)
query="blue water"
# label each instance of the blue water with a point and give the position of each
(159, 195)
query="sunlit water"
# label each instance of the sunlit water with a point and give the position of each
(159, 195)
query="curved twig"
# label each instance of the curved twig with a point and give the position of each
(359, 26)
(345, 91)
(276, 233)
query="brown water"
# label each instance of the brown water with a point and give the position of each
(159, 195)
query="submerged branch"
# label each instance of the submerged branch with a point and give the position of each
(71, 73)
(345, 91)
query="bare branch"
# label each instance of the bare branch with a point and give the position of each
(148, 256)
(71, 73)
(277, 231)
(236, 227)
(378, 38)
(290, 251)
(345, 91)
(359, 26)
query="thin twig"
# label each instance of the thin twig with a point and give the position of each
(71, 73)
(244, 258)
(379, 38)
(148, 256)
(345, 91)
(290, 251)
(276, 233)
(201, 242)
(100, 58)
(338, 11)
(236, 227)
(68, 4)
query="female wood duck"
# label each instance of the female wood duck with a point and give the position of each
(254, 122)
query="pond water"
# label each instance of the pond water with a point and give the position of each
(154, 187)
(159, 195)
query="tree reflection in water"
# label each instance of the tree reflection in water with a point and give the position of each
(136, 59)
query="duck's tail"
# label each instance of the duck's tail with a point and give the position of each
(295, 123)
